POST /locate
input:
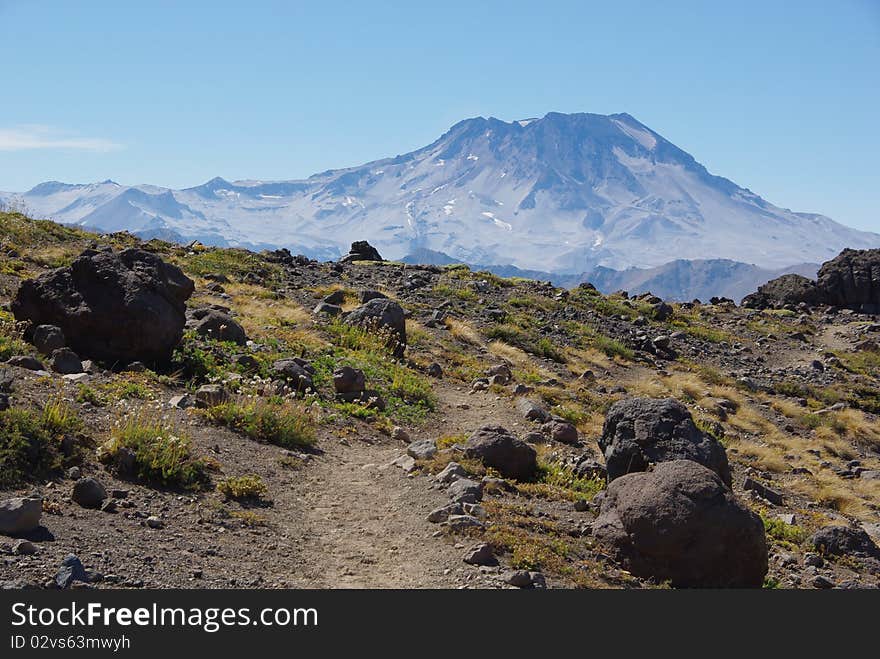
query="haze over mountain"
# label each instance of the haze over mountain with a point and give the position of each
(562, 195)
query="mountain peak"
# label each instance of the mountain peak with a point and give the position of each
(562, 194)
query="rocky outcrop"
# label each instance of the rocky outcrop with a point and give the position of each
(639, 432)
(113, 306)
(787, 290)
(850, 281)
(844, 541)
(680, 523)
(361, 250)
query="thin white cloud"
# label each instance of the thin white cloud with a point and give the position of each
(31, 137)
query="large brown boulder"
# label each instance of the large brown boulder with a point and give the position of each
(852, 280)
(112, 306)
(680, 523)
(639, 432)
(496, 447)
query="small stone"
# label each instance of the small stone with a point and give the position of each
(581, 505)
(328, 309)
(480, 554)
(518, 578)
(442, 514)
(463, 522)
(423, 449)
(71, 570)
(183, 401)
(813, 560)
(24, 548)
(65, 361)
(465, 490)
(400, 435)
(211, 395)
(763, 491)
(405, 462)
(20, 515)
(452, 472)
(89, 493)
(155, 522)
(821, 582)
(74, 473)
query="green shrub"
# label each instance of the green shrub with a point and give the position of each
(287, 424)
(161, 455)
(86, 394)
(559, 475)
(249, 486)
(779, 530)
(30, 442)
(11, 342)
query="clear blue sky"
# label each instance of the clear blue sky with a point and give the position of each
(782, 97)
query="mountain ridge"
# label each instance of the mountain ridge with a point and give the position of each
(563, 194)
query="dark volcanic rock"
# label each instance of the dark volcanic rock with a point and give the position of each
(499, 449)
(71, 570)
(112, 306)
(843, 541)
(88, 493)
(347, 380)
(65, 361)
(384, 315)
(48, 338)
(852, 280)
(639, 432)
(782, 291)
(361, 250)
(296, 371)
(680, 523)
(26, 361)
(218, 326)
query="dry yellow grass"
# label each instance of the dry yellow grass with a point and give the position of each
(463, 332)
(519, 359)
(584, 359)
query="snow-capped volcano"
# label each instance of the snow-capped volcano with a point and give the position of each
(561, 194)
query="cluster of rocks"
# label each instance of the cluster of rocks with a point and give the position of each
(361, 250)
(669, 513)
(849, 281)
(116, 307)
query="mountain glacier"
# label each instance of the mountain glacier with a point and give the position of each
(563, 194)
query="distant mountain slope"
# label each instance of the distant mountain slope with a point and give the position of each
(564, 194)
(686, 280)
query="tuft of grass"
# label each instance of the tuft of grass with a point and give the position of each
(161, 455)
(556, 481)
(288, 424)
(247, 487)
(87, 394)
(30, 442)
(787, 533)
(462, 331)
(11, 341)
